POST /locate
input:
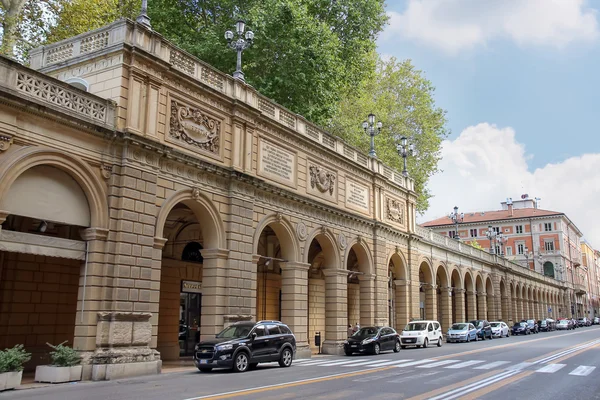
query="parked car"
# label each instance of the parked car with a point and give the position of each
(421, 333)
(521, 328)
(499, 329)
(547, 325)
(461, 332)
(574, 323)
(372, 339)
(533, 326)
(564, 325)
(243, 345)
(484, 329)
(596, 320)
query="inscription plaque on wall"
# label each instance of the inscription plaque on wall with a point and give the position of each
(357, 196)
(277, 163)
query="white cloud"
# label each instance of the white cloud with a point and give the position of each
(485, 165)
(455, 25)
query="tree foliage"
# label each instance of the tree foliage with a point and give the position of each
(402, 99)
(475, 244)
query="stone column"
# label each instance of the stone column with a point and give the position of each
(294, 303)
(459, 294)
(482, 305)
(519, 309)
(367, 299)
(446, 306)
(402, 304)
(91, 295)
(505, 315)
(430, 302)
(472, 305)
(336, 311)
(214, 292)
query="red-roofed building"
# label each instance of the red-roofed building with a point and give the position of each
(545, 241)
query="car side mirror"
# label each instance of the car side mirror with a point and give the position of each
(254, 335)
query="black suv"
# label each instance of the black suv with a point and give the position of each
(243, 345)
(484, 329)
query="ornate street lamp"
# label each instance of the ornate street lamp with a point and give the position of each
(456, 218)
(491, 235)
(372, 129)
(527, 256)
(501, 239)
(405, 150)
(239, 45)
(143, 18)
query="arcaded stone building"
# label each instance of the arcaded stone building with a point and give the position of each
(149, 200)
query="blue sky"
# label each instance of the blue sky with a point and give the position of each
(520, 80)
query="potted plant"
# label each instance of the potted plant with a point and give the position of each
(65, 366)
(11, 366)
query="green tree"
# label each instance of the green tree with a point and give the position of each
(402, 99)
(475, 244)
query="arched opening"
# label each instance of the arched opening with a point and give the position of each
(42, 258)
(321, 257)
(470, 301)
(492, 311)
(481, 298)
(444, 315)
(426, 292)
(458, 307)
(398, 293)
(360, 301)
(549, 269)
(268, 278)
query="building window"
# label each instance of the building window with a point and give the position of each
(520, 248)
(498, 250)
(547, 226)
(452, 234)
(508, 251)
(549, 245)
(496, 229)
(473, 232)
(519, 229)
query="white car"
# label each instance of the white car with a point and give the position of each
(421, 334)
(499, 329)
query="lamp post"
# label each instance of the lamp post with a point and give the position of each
(372, 129)
(404, 150)
(240, 44)
(527, 257)
(501, 239)
(143, 18)
(539, 257)
(491, 235)
(456, 218)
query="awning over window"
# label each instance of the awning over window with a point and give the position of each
(27, 243)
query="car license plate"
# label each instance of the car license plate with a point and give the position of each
(203, 361)
(353, 345)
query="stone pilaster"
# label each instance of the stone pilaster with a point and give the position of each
(430, 302)
(505, 314)
(336, 311)
(367, 299)
(482, 305)
(402, 304)
(294, 303)
(471, 305)
(445, 300)
(459, 305)
(214, 292)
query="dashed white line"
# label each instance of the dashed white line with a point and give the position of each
(582, 370)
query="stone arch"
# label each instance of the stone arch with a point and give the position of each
(363, 255)
(443, 293)
(426, 290)
(398, 260)
(398, 290)
(285, 234)
(480, 297)
(204, 210)
(470, 296)
(328, 244)
(78, 82)
(22, 160)
(458, 295)
(492, 310)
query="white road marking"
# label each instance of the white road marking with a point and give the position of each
(461, 391)
(410, 364)
(438, 364)
(520, 366)
(582, 370)
(464, 364)
(342, 362)
(389, 363)
(492, 365)
(369, 363)
(551, 368)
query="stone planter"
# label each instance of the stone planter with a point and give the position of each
(10, 380)
(52, 374)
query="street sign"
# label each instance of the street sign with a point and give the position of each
(549, 309)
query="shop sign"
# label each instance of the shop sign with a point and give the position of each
(191, 287)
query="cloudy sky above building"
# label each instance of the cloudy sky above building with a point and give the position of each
(520, 82)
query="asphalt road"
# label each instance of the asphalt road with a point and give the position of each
(563, 365)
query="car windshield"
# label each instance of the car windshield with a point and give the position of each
(366, 332)
(418, 326)
(495, 324)
(543, 323)
(564, 322)
(477, 324)
(235, 331)
(531, 321)
(520, 324)
(459, 327)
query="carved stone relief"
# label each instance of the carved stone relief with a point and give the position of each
(301, 230)
(194, 127)
(395, 210)
(5, 141)
(322, 179)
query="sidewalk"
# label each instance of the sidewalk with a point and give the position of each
(185, 364)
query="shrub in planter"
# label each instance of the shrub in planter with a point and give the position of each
(11, 366)
(64, 368)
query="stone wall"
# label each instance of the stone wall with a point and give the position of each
(316, 312)
(39, 300)
(268, 289)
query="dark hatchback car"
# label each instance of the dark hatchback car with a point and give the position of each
(372, 339)
(484, 329)
(533, 325)
(244, 345)
(520, 328)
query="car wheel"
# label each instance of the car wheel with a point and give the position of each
(439, 343)
(285, 360)
(240, 363)
(205, 369)
(426, 343)
(397, 347)
(376, 349)
(348, 353)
